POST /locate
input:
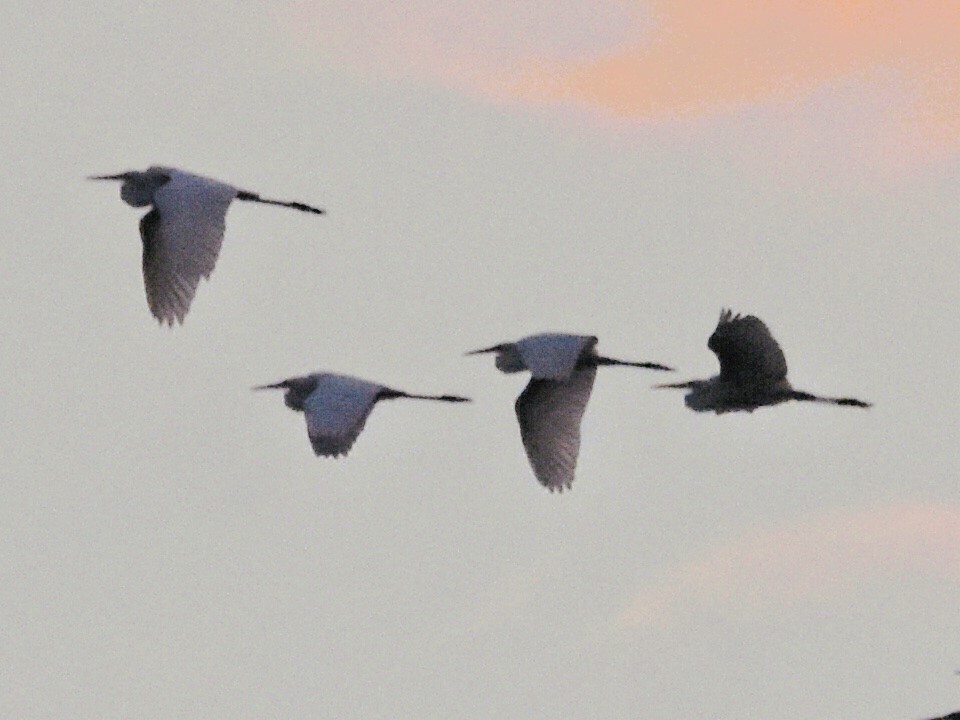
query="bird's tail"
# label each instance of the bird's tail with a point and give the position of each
(807, 397)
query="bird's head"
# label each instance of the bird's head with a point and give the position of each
(298, 389)
(508, 358)
(138, 187)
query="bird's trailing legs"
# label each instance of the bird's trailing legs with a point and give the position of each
(253, 197)
(600, 360)
(805, 396)
(388, 394)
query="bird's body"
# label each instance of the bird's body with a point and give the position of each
(182, 233)
(337, 406)
(550, 409)
(753, 371)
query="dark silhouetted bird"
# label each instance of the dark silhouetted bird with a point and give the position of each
(753, 371)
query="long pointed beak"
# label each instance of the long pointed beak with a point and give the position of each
(495, 348)
(677, 386)
(118, 176)
(275, 386)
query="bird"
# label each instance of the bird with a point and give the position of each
(753, 371)
(183, 232)
(337, 406)
(562, 370)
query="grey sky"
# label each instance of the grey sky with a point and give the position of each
(172, 548)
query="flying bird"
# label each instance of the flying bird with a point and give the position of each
(337, 407)
(562, 370)
(753, 371)
(183, 232)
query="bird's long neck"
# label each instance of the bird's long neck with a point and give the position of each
(807, 397)
(388, 394)
(600, 360)
(253, 197)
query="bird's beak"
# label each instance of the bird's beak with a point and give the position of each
(495, 348)
(677, 386)
(276, 386)
(118, 176)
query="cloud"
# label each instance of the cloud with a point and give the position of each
(703, 56)
(810, 562)
(704, 60)
(888, 69)
(464, 44)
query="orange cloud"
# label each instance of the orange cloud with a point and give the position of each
(703, 58)
(827, 83)
(703, 55)
(810, 561)
(464, 45)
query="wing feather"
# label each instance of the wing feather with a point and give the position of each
(550, 412)
(747, 352)
(181, 237)
(336, 412)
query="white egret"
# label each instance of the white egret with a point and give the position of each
(337, 406)
(753, 371)
(183, 232)
(549, 410)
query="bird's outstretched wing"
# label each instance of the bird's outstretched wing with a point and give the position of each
(549, 412)
(553, 356)
(747, 352)
(181, 241)
(336, 412)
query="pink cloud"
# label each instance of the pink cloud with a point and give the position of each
(811, 561)
(468, 45)
(710, 59)
(703, 56)
(889, 69)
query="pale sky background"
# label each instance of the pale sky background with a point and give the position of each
(171, 548)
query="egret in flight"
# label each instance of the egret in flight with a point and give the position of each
(562, 370)
(337, 406)
(183, 232)
(753, 371)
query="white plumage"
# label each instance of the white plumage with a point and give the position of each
(183, 232)
(550, 356)
(550, 413)
(336, 407)
(336, 412)
(551, 407)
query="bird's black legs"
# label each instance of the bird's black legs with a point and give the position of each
(253, 197)
(850, 402)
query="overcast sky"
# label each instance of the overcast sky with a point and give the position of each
(171, 548)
